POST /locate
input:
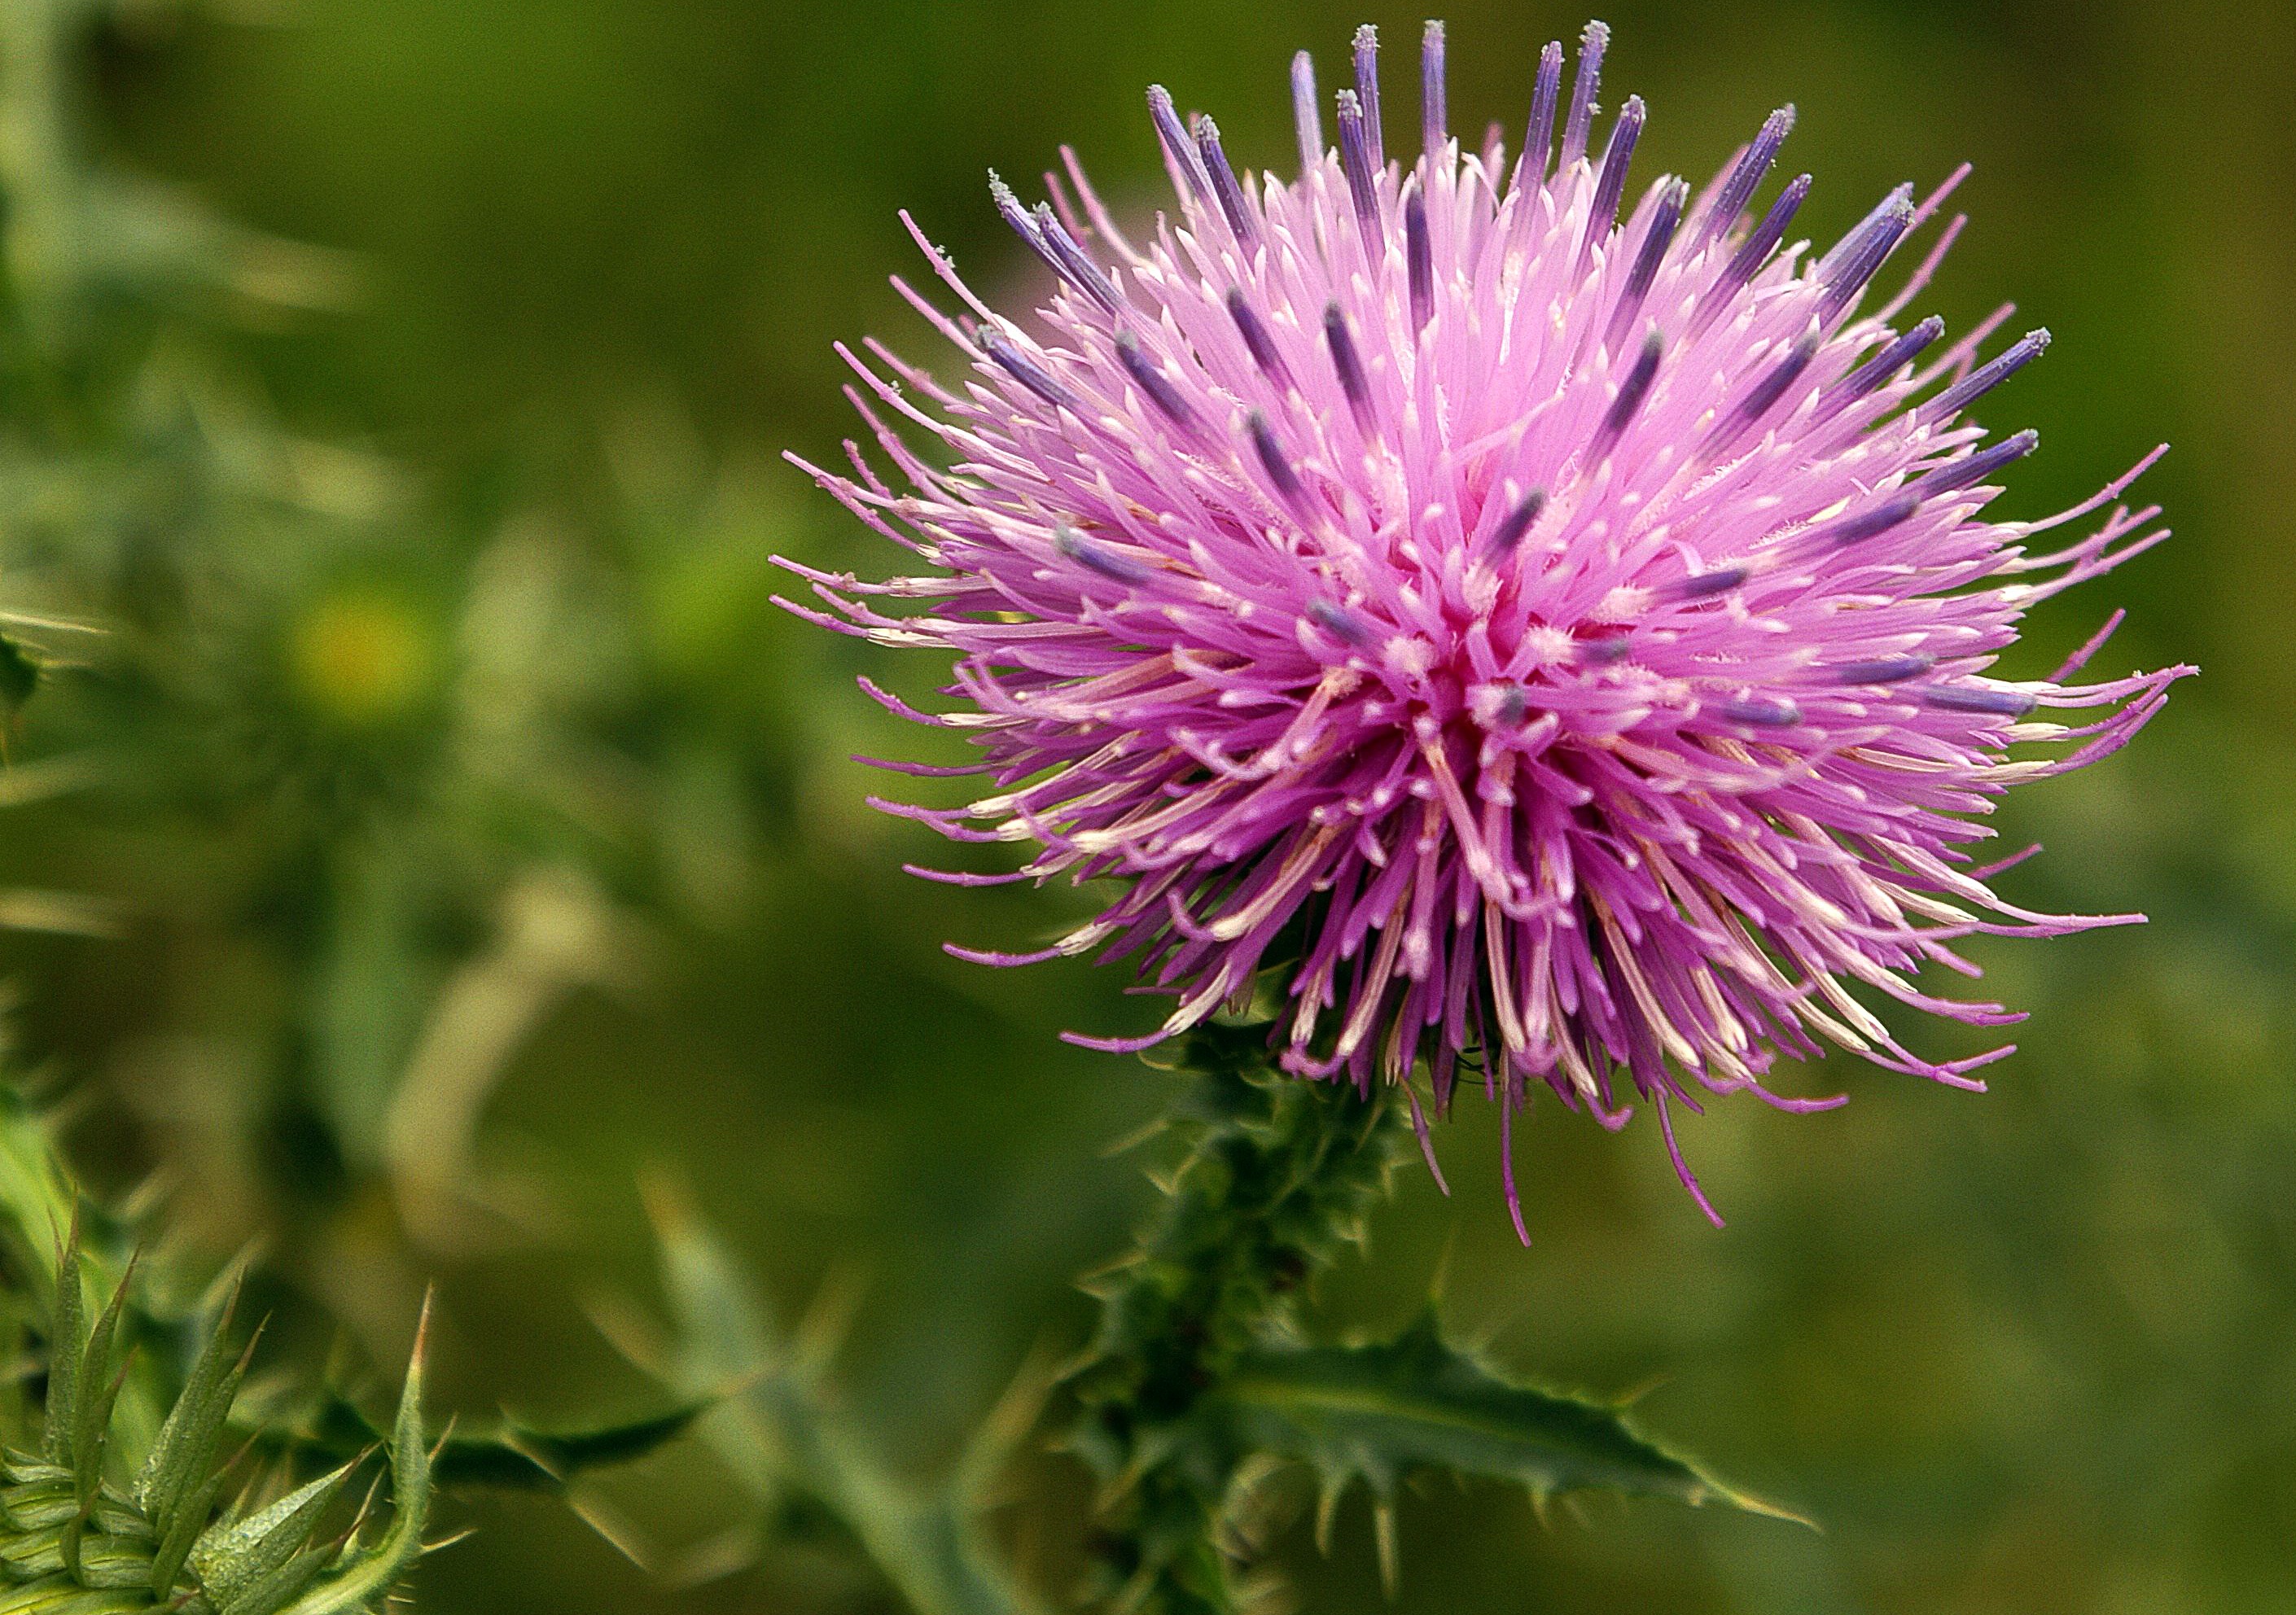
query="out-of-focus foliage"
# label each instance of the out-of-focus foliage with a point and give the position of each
(797, 1459)
(265, 673)
(425, 782)
(443, 827)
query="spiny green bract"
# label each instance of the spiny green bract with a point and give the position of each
(121, 1486)
(93, 1523)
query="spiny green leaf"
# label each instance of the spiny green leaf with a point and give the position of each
(38, 1204)
(724, 1327)
(37, 1495)
(271, 1592)
(1278, 1179)
(116, 1561)
(1379, 1412)
(372, 1572)
(37, 1201)
(69, 1542)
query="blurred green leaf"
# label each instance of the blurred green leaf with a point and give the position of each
(508, 1454)
(19, 676)
(782, 1432)
(517, 1455)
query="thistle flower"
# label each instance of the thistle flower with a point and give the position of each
(1563, 639)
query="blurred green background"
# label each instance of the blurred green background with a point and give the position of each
(449, 833)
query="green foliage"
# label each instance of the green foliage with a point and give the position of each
(1381, 1411)
(1201, 1377)
(1275, 1181)
(503, 1454)
(120, 1488)
(19, 676)
(794, 1449)
(76, 1536)
(516, 1456)
(434, 763)
(170, 1413)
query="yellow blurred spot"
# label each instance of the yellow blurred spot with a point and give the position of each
(363, 657)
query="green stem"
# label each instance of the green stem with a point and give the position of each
(1280, 1177)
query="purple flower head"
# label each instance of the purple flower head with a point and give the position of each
(1554, 629)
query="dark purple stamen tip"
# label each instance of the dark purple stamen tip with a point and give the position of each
(1349, 366)
(1026, 370)
(1705, 586)
(1367, 93)
(1858, 255)
(1584, 83)
(1154, 384)
(1539, 135)
(1665, 220)
(1073, 264)
(1978, 466)
(1746, 176)
(1010, 209)
(1339, 623)
(1631, 394)
(1900, 200)
(1306, 115)
(1419, 256)
(1514, 706)
(1516, 523)
(1765, 395)
(1225, 188)
(1610, 184)
(1899, 353)
(1872, 523)
(1605, 650)
(1434, 123)
(1042, 231)
(1968, 697)
(1274, 460)
(1983, 380)
(1257, 338)
(1759, 713)
(1096, 557)
(1362, 169)
(1177, 147)
(1764, 240)
(1884, 670)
